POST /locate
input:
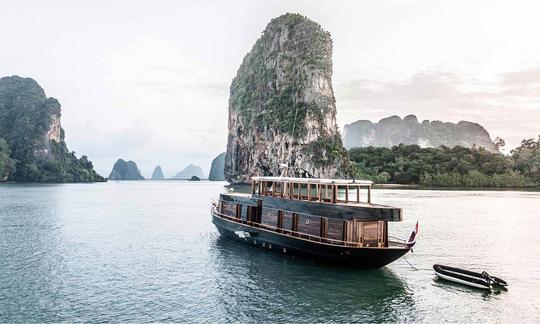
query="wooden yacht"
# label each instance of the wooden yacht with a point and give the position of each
(320, 219)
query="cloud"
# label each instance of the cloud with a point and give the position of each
(153, 66)
(507, 106)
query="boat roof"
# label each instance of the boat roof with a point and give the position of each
(344, 182)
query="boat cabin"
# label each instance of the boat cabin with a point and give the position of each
(337, 212)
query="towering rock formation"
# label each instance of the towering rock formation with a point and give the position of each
(282, 107)
(190, 171)
(30, 125)
(394, 131)
(123, 170)
(217, 169)
(158, 174)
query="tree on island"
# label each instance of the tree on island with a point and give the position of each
(7, 165)
(31, 132)
(449, 167)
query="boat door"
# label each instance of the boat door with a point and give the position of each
(354, 231)
(369, 234)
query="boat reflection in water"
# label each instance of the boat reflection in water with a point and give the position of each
(266, 287)
(319, 219)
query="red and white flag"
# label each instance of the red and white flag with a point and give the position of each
(412, 239)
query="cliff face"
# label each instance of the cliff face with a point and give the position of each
(282, 107)
(158, 173)
(217, 169)
(123, 170)
(190, 171)
(30, 125)
(394, 131)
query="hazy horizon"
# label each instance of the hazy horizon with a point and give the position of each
(149, 81)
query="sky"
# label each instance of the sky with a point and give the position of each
(149, 80)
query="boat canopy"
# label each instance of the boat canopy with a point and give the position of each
(312, 189)
(315, 180)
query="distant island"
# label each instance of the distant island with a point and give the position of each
(32, 141)
(157, 174)
(125, 170)
(393, 131)
(188, 172)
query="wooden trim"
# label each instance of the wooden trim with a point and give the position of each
(385, 234)
(346, 194)
(238, 211)
(258, 210)
(280, 219)
(294, 225)
(324, 228)
(249, 214)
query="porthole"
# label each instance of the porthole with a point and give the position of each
(254, 242)
(307, 221)
(270, 246)
(263, 244)
(284, 250)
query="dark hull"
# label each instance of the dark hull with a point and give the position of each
(297, 247)
(466, 277)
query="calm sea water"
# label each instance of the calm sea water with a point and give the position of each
(147, 251)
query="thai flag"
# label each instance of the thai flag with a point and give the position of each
(412, 239)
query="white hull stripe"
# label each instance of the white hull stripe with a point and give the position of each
(463, 282)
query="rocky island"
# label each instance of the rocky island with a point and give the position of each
(218, 168)
(32, 141)
(393, 131)
(282, 108)
(125, 170)
(158, 174)
(189, 171)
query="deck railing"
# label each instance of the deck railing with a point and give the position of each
(394, 242)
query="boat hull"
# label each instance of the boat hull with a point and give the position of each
(464, 277)
(356, 257)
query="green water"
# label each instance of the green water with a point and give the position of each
(147, 251)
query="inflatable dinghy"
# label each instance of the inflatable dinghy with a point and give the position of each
(465, 277)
